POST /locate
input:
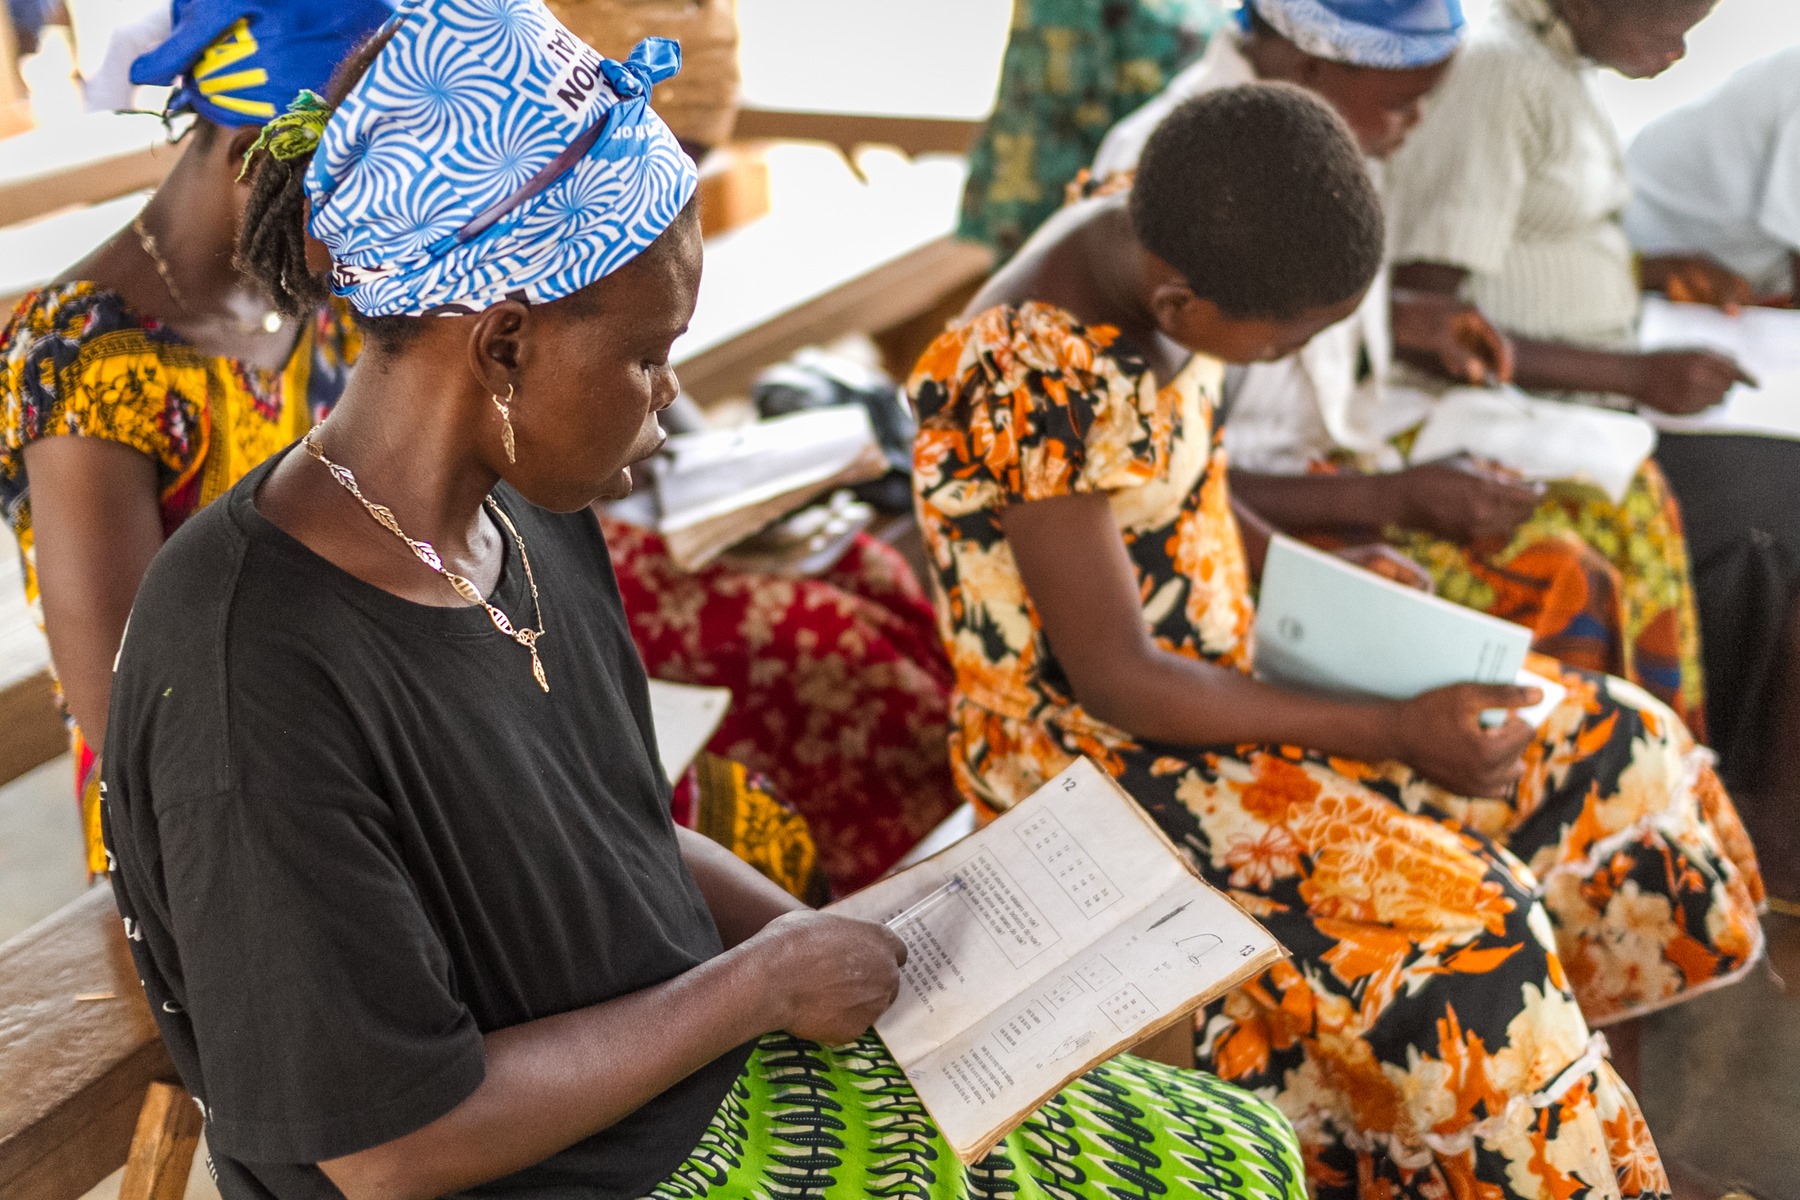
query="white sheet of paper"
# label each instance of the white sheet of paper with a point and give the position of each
(1765, 341)
(1538, 713)
(685, 718)
(1541, 439)
(1328, 624)
(1066, 930)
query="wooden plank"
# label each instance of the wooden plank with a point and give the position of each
(78, 1049)
(12, 87)
(884, 296)
(96, 158)
(35, 252)
(913, 135)
(31, 727)
(843, 257)
(162, 1150)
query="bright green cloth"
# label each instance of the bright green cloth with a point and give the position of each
(804, 1120)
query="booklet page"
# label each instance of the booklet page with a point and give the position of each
(1064, 932)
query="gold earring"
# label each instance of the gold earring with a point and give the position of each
(506, 429)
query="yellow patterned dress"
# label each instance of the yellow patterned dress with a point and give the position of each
(1432, 1034)
(75, 362)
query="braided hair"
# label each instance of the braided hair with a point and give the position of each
(272, 241)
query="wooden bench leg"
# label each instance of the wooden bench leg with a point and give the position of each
(162, 1149)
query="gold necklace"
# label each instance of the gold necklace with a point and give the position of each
(271, 322)
(427, 554)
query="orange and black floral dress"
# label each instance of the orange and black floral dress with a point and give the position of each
(1432, 1034)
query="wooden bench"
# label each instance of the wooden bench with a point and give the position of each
(847, 131)
(31, 730)
(81, 1059)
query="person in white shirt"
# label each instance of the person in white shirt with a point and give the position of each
(1720, 177)
(1512, 193)
(1484, 539)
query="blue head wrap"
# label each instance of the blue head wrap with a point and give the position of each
(239, 62)
(1389, 34)
(491, 154)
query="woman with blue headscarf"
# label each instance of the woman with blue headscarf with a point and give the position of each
(392, 842)
(1603, 584)
(147, 378)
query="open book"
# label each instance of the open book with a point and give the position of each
(685, 718)
(1063, 933)
(717, 487)
(1326, 624)
(1544, 440)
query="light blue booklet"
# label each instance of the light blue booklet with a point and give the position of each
(1327, 624)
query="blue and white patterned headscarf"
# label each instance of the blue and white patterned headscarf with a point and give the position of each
(1391, 35)
(490, 154)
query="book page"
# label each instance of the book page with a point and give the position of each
(685, 718)
(1765, 342)
(1328, 624)
(1064, 932)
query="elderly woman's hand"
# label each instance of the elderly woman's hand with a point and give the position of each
(1450, 336)
(828, 977)
(1695, 279)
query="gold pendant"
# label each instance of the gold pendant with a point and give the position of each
(537, 670)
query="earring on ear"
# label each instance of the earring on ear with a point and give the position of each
(506, 429)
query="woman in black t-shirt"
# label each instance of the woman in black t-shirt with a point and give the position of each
(391, 842)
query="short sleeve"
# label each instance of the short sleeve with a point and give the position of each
(1778, 213)
(1024, 404)
(75, 362)
(1456, 187)
(303, 991)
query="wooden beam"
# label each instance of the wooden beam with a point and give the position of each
(885, 296)
(31, 727)
(162, 1151)
(78, 1049)
(913, 135)
(96, 158)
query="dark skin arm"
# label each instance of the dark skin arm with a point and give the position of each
(742, 901)
(554, 1081)
(1695, 279)
(1459, 499)
(97, 524)
(1073, 561)
(1681, 382)
(1449, 337)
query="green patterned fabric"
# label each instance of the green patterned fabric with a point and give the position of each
(1072, 69)
(807, 1121)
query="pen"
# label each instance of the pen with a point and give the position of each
(926, 903)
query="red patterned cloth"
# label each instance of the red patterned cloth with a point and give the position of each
(839, 683)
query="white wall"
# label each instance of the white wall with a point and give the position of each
(1738, 32)
(937, 58)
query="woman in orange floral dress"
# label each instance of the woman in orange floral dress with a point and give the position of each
(1463, 904)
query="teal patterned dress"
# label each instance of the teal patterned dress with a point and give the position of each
(1072, 69)
(807, 1121)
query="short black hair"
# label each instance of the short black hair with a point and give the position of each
(1260, 197)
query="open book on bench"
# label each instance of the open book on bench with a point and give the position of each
(717, 487)
(1063, 933)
